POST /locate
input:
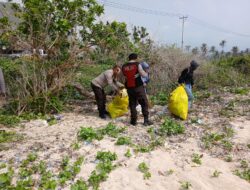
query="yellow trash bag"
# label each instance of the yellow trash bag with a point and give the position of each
(178, 102)
(119, 105)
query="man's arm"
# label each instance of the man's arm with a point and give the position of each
(141, 71)
(111, 82)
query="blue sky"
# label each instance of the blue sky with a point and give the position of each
(230, 16)
(233, 16)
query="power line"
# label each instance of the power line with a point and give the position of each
(163, 13)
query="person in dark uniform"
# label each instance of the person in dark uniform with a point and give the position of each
(187, 79)
(133, 72)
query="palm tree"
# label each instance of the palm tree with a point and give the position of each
(235, 50)
(187, 48)
(247, 50)
(212, 51)
(222, 44)
(204, 49)
(195, 51)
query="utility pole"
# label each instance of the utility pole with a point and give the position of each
(183, 20)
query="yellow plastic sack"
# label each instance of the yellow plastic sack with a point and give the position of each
(178, 102)
(119, 105)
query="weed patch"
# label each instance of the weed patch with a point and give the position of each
(142, 167)
(6, 137)
(171, 127)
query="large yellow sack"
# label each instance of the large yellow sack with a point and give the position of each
(119, 105)
(178, 102)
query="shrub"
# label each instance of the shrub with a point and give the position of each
(171, 127)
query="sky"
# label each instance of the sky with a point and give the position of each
(209, 21)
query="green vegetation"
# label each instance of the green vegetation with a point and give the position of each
(228, 158)
(142, 167)
(171, 127)
(160, 98)
(185, 185)
(90, 134)
(170, 172)
(216, 173)
(244, 174)
(103, 168)
(106, 156)
(6, 136)
(211, 139)
(123, 141)
(196, 158)
(79, 185)
(112, 130)
(69, 171)
(9, 120)
(244, 164)
(128, 154)
(229, 71)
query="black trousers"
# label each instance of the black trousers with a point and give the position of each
(135, 95)
(100, 98)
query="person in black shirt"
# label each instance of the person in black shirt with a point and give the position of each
(187, 78)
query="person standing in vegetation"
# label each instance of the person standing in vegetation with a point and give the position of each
(2, 84)
(109, 77)
(133, 72)
(145, 80)
(187, 79)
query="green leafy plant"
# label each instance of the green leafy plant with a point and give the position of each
(227, 145)
(245, 174)
(106, 156)
(211, 139)
(145, 170)
(244, 164)
(170, 127)
(89, 134)
(123, 141)
(170, 172)
(9, 136)
(103, 168)
(196, 158)
(79, 185)
(186, 185)
(76, 146)
(96, 178)
(160, 98)
(9, 120)
(3, 165)
(112, 130)
(128, 153)
(216, 173)
(69, 171)
(6, 178)
(228, 158)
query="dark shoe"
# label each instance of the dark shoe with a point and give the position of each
(103, 116)
(106, 112)
(133, 123)
(147, 123)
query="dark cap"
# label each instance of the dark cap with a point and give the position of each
(194, 64)
(132, 56)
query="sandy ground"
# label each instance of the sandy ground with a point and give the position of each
(53, 142)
